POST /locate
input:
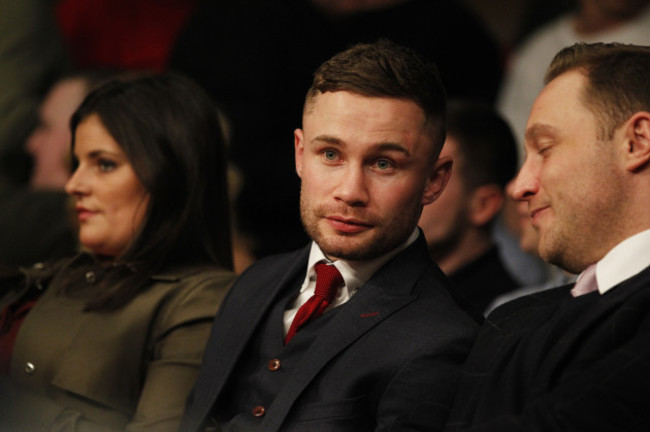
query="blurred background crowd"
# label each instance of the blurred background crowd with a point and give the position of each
(255, 58)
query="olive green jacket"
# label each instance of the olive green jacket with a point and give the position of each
(129, 369)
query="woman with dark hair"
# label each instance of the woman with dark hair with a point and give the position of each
(112, 338)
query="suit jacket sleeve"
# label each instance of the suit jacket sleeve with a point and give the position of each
(419, 396)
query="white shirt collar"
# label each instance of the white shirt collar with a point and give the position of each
(355, 273)
(625, 260)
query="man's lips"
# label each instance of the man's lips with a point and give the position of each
(536, 214)
(347, 225)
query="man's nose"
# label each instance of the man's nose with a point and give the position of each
(352, 188)
(526, 184)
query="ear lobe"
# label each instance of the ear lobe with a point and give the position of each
(638, 142)
(298, 150)
(438, 178)
(486, 203)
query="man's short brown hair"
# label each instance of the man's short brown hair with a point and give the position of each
(618, 80)
(385, 69)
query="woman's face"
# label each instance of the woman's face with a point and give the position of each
(110, 200)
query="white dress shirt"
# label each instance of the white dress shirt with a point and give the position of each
(625, 260)
(355, 274)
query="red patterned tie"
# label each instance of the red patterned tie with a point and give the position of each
(328, 282)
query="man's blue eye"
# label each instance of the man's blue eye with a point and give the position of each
(383, 164)
(330, 155)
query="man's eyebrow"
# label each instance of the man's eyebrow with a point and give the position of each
(328, 139)
(390, 146)
(381, 146)
(537, 130)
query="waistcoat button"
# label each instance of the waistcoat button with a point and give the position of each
(30, 368)
(259, 411)
(274, 365)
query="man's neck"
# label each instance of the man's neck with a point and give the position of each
(469, 248)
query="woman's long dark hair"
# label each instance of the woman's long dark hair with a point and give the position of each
(170, 132)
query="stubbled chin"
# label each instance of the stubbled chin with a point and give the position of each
(345, 246)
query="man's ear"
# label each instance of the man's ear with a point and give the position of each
(637, 138)
(485, 204)
(438, 177)
(298, 149)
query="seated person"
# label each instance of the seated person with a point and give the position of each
(112, 338)
(575, 358)
(358, 330)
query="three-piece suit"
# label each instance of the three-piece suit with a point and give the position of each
(388, 359)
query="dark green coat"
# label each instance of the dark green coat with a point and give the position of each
(129, 369)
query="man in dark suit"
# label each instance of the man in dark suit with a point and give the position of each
(385, 353)
(577, 358)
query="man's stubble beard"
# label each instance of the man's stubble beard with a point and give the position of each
(382, 238)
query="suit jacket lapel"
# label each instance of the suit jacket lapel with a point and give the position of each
(385, 293)
(234, 328)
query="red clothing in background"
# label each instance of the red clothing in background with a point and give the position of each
(127, 34)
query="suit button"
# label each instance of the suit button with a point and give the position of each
(90, 277)
(30, 368)
(259, 411)
(274, 365)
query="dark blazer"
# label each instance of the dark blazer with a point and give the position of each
(550, 362)
(387, 360)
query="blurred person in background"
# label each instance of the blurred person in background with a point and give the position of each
(458, 226)
(32, 58)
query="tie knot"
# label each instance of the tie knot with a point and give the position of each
(328, 281)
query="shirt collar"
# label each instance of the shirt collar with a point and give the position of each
(355, 273)
(625, 260)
